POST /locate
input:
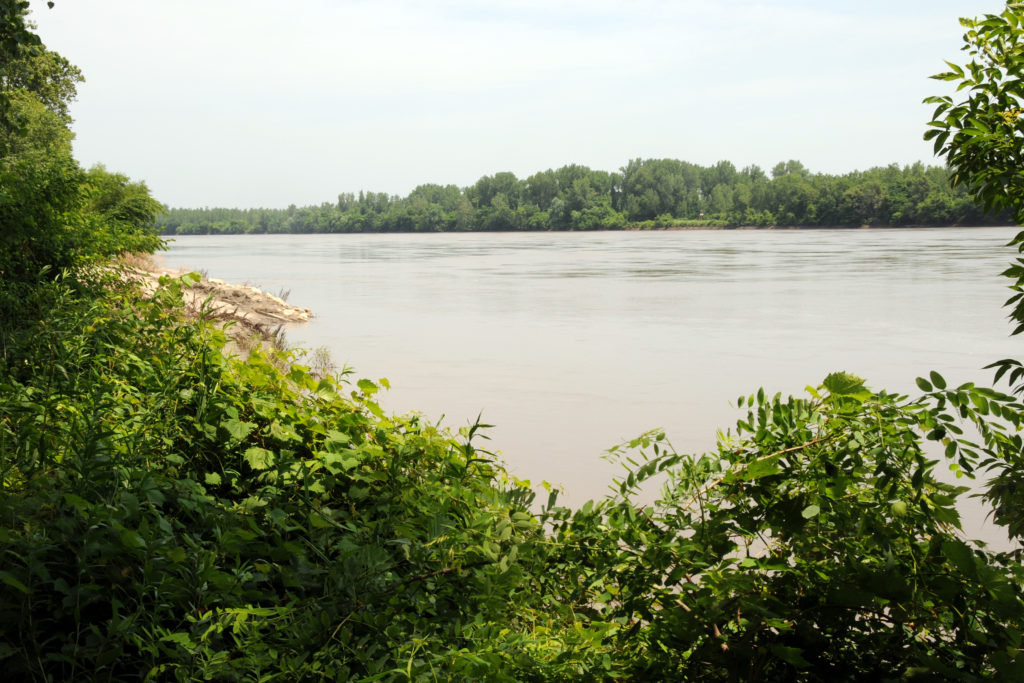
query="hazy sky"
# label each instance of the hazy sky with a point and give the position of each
(256, 103)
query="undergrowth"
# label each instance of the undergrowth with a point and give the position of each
(169, 512)
(172, 513)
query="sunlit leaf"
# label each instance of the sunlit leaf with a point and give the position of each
(237, 429)
(761, 468)
(259, 458)
(844, 384)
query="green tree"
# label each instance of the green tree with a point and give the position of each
(15, 39)
(791, 167)
(124, 208)
(982, 135)
(50, 76)
(982, 139)
(40, 183)
(54, 216)
(39, 179)
(541, 189)
(654, 187)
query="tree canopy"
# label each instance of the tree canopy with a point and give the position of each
(645, 193)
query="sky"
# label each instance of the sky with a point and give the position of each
(253, 103)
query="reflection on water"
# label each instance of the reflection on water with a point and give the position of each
(573, 342)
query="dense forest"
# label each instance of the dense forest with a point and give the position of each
(173, 511)
(645, 193)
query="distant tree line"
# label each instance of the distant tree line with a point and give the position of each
(645, 193)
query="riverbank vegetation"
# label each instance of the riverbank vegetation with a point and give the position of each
(643, 194)
(170, 512)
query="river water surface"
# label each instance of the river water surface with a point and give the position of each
(573, 342)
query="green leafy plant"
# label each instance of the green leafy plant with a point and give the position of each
(816, 544)
(982, 138)
(171, 512)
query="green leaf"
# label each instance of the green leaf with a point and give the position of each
(259, 458)
(845, 384)
(237, 429)
(76, 502)
(318, 522)
(374, 409)
(337, 462)
(336, 438)
(9, 579)
(212, 479)
(761, 468)
(923, 384)
(810, 511)
(937, 380)
(961, 556)
(181, 639)
(284, 432)
(132, 539)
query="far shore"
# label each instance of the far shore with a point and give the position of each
(667, 228)
(807, 227)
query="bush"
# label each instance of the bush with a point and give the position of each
(177, 514)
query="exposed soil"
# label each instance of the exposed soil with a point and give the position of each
(258, 316)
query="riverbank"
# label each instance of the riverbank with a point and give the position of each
(625, 228)
(216, 298)
(246, 313)
(671, 228)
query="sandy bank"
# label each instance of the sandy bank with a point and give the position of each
(257, 315)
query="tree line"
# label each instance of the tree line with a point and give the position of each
(645, 193)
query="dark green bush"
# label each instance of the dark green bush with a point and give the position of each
(169, 512)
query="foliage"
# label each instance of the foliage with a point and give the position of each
(39, 189)
(168, 512)
(124, 212)
(15, 39)
(646, 193)
(179, 515)
(47, 74)
(815, 545)
(38, 176)
(982, 137)
(54, 216)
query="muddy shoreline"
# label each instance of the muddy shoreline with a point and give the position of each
(247, 314)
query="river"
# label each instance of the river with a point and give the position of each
(570, 343)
